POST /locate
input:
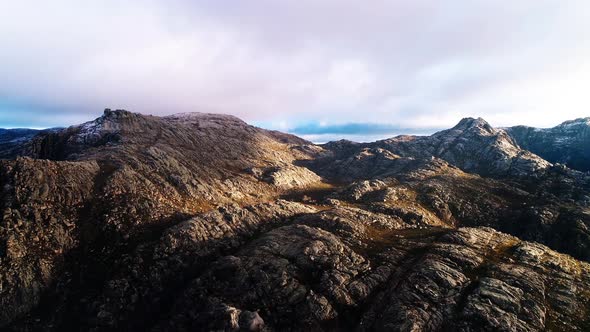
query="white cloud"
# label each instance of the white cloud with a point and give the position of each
(421, 63)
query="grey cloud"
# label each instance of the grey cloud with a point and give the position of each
(418, 64)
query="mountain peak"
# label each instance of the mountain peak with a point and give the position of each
(110, 115)
(567, 143)
(118, 112)
(114, 120)
(576, 122)
(469, 126)
(475, 146)
(468, 123)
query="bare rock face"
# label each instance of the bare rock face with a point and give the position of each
(474, 146)
(298, 277)
(97, 188)
(200, 222)
(287, 177)
(13, 140)
(139, 289)
(548, 207)
(159, 167)
(276, 272)
(567, 143)
(478, 279)
(43, 204)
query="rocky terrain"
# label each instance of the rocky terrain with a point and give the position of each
(474, 146)
(201, 222)
(567, 143)
(12, 140)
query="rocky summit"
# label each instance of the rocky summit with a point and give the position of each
(567, 143)
(201, 222)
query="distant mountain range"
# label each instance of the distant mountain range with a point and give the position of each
(202, 222)
(12, 139)
(568, 143)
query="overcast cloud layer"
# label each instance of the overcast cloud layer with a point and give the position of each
(332, 64)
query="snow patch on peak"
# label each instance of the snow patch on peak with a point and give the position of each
(92, 131)
(89, 131)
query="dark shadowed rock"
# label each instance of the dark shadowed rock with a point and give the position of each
(13, 140)
(567, 143)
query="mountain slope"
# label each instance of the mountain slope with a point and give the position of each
(12, 140)
(201, 222)
(567, 143)
(111, 182)
(550, 207)
(472, 145)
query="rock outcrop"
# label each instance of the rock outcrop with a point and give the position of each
(474, 146)
(99, 188)
(567, 143)
(201, 222)
(13, 140)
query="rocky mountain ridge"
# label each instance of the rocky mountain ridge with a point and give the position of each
(567, 143)
(202, 222)
(474, 146)
(11, 140)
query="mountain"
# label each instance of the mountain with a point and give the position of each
(567, 143)
(474, 146)
(470, 175)
(202, 222)
(97, 188)
(11, 140)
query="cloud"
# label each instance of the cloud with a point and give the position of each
(400, 64)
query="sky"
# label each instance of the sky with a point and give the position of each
(323, 69)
